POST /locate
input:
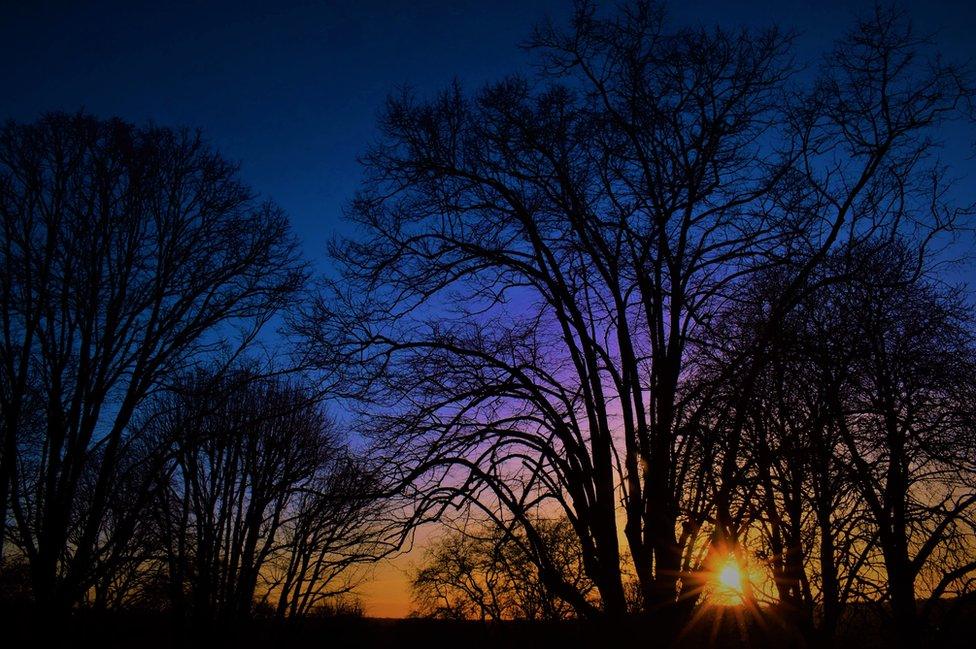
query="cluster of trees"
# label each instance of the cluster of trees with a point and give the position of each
(858, 446)
(144, 459)
(684, 294)
(264, 504)
(486, 572)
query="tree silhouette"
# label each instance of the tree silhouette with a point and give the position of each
(484, 572)
(264, 502)
(667, 315)
(123, 250)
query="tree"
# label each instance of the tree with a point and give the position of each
(799, 511)
(614, 212)
(863, 173)
(127, 253)
(903, 421)
(338, 524)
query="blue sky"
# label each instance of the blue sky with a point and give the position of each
(292, 89)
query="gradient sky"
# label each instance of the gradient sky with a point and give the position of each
(292, 89)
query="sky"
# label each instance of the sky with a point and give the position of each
(291, 90)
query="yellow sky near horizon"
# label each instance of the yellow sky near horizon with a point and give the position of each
(386, 590)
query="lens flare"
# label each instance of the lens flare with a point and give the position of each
(728, 584)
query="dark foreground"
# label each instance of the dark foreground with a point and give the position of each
(716, 629)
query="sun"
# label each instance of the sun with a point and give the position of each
(731, 576)
(728, 584)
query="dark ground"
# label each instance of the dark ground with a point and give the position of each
(152, 630)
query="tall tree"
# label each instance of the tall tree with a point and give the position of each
(126, 253)
(903, 420)
(589, 230)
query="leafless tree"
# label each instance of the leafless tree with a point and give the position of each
(126, 253)
(904, 423)
(854, 457)
(864, 171)
(799, 511)
(337, 525)
(586, 231)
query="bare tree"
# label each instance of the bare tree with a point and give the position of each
(126, 253)
(241, 448)
(903, 421)
(799, 512)
(854, 458)
(337, 525)
(586, 231)
(863, 172)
